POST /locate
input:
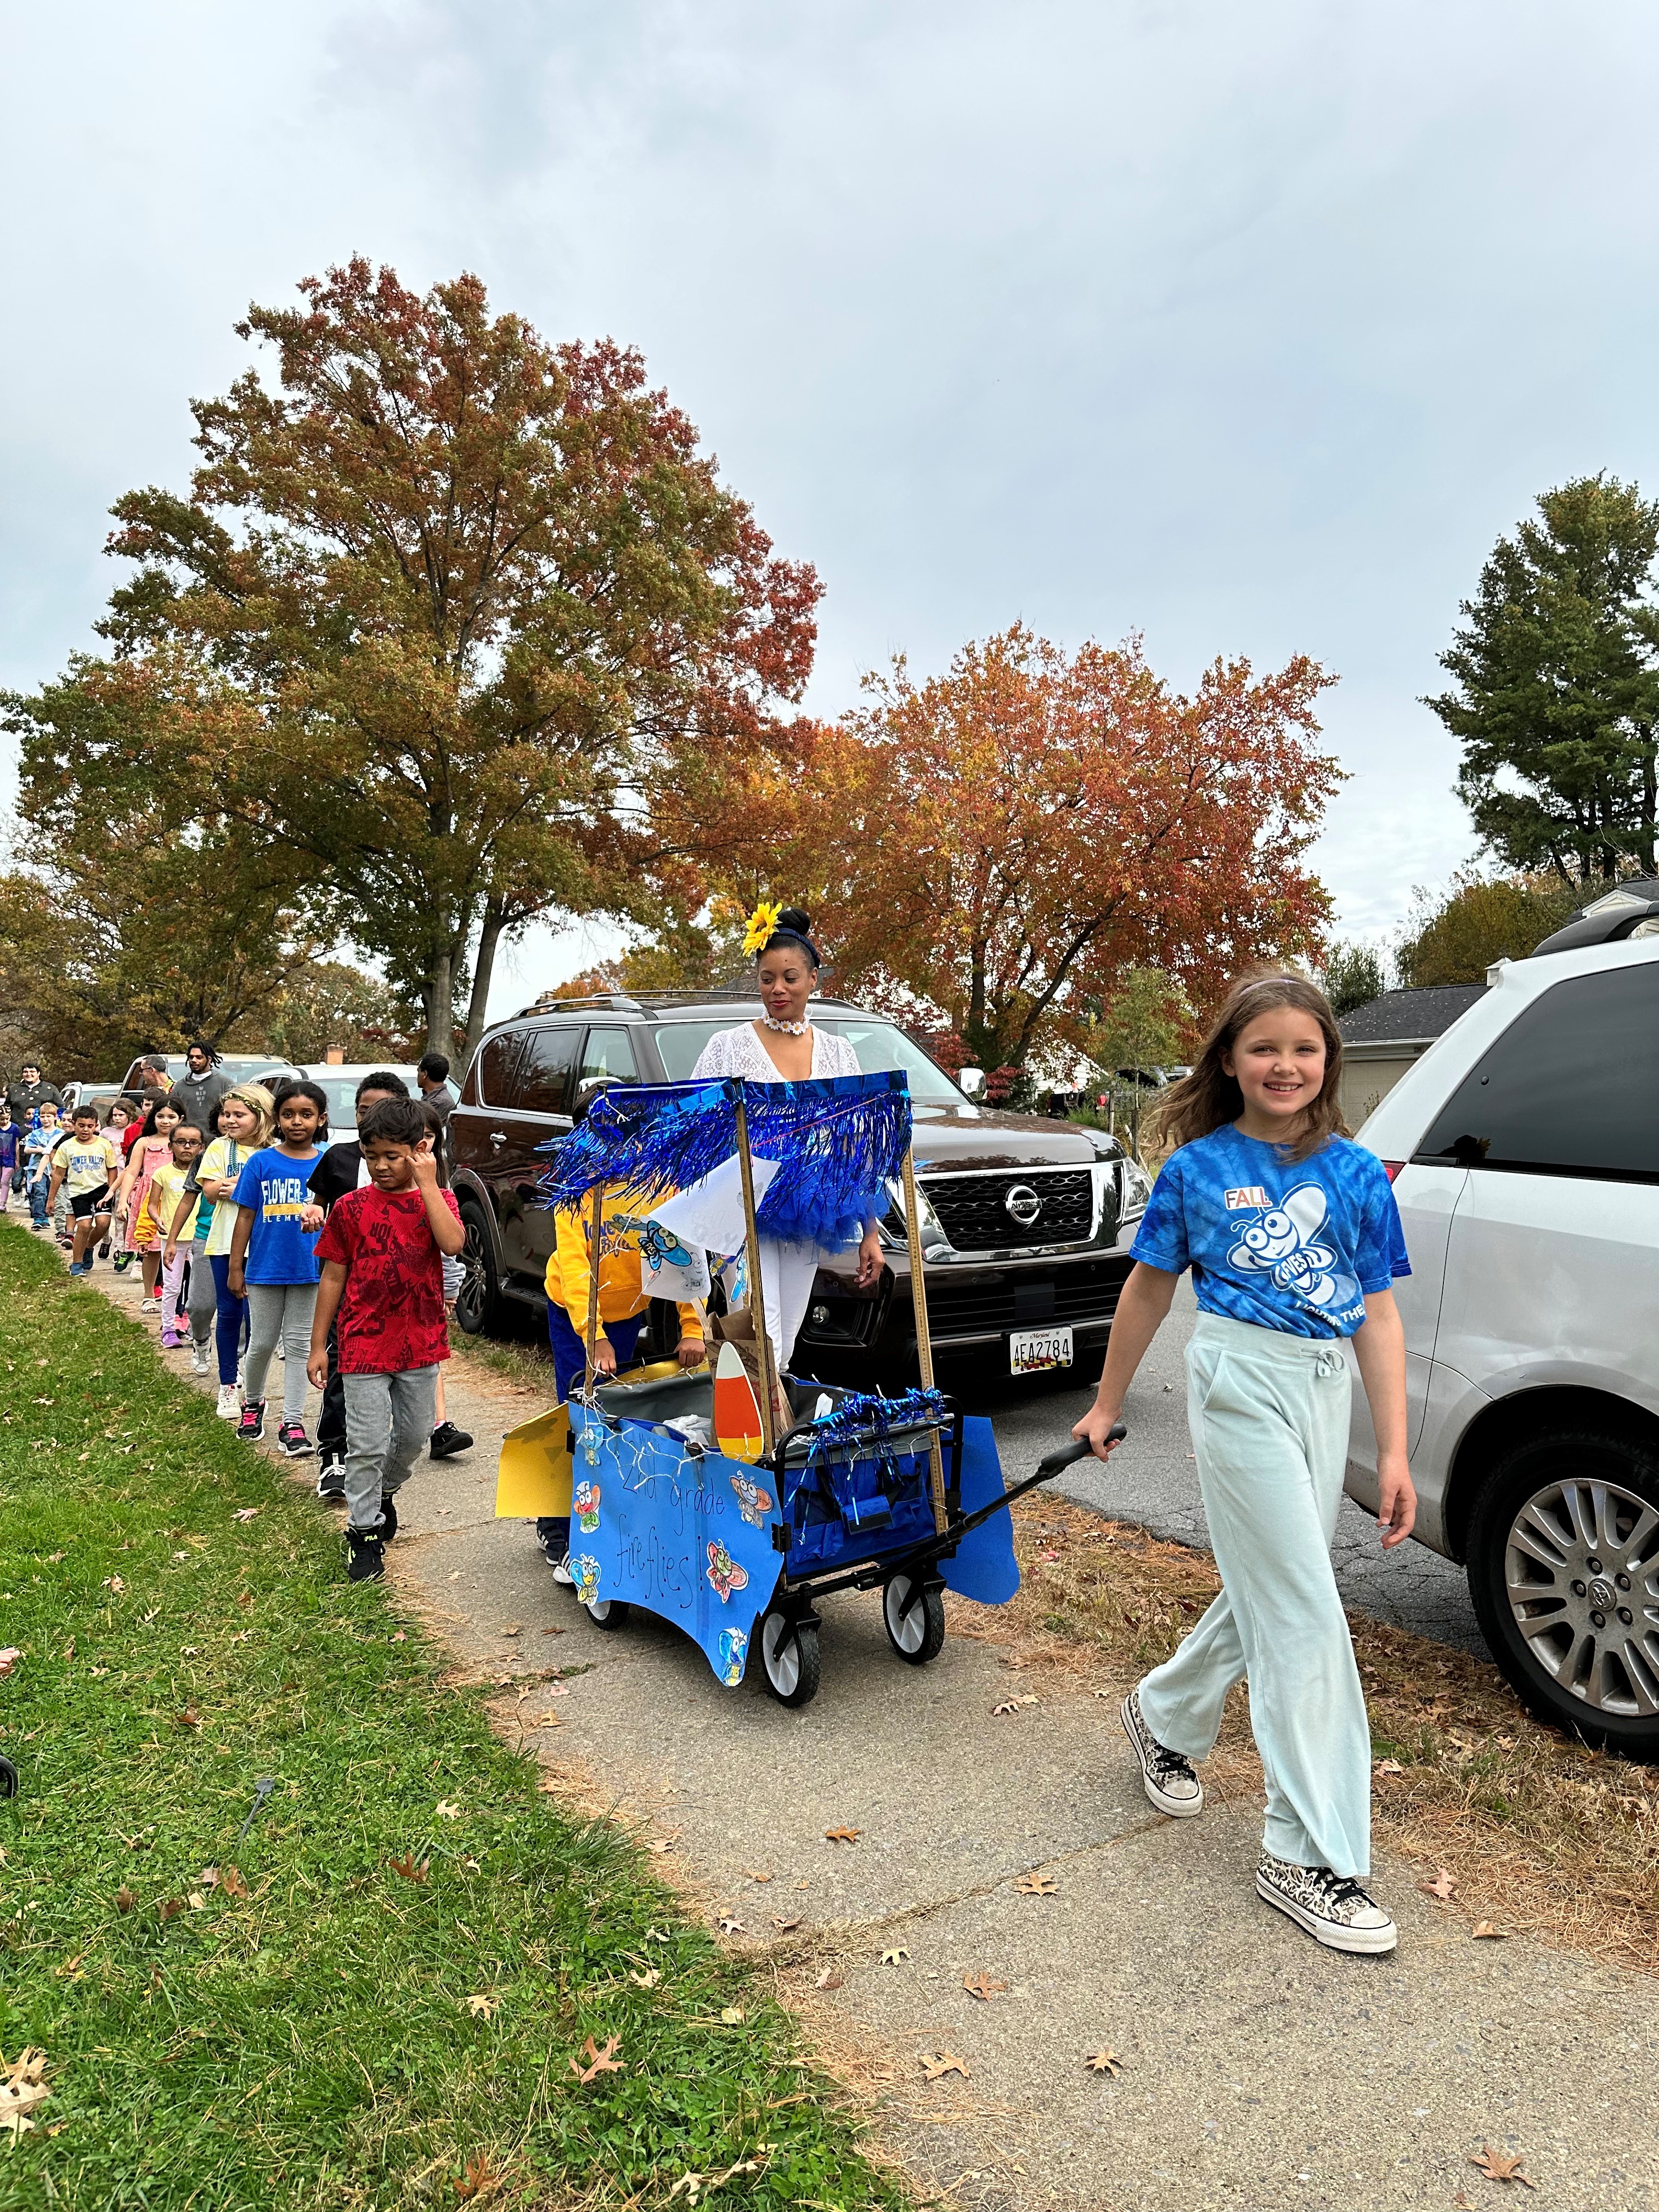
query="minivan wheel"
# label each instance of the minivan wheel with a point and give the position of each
(1564, 1570)
(478, 1303)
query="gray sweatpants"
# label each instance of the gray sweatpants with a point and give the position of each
(281, 1309)
(203, 1304)
(388, 1420)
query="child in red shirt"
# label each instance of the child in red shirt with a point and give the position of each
(382, 1251)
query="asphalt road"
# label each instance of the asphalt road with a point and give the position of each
(1152, 1479)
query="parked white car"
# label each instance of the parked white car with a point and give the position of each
(1524, 1151)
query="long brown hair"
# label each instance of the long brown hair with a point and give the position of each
(1209, 1098)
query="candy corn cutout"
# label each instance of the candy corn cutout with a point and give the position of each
(737, 1415)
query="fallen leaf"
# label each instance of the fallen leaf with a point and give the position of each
(21, 2093)
(552, 1632)
(1497, 2167)
(1388, 1766)
(1037, 1885)
(1102, 2062)
(936, 2064)
(1484, 1932)
(1106, 1693)
(232, 1883)
(482, 2007)
(730, 1925)
(446, 1811)
(11, 1654)
(899, 1953)
(1012, 1704)
(478, 2180)
(649, 1980)
(830, 1979)
(982, 1986)
(245, 1597)
(665, 1844)
(113, 1583)
(602, 2060)
(245, 1513)
(783, 1927)
(843, 1835)
(406, 1867)
(124, 1899)
(189, 1718)
(399, 1637)
(753, 1876)
(1444, 1885)
(171, 1907)
(197, 1902)
(513, 1631)
(731, 2015)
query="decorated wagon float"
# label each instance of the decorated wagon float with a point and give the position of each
(728, 1502)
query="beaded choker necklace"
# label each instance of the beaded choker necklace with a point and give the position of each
(784, 1028)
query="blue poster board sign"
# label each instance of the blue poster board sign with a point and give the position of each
(689, 1539)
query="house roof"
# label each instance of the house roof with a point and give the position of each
(1404, 1017)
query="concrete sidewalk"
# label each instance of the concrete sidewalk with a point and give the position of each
(1257, 2071)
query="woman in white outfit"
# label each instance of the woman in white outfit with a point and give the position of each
(783, 1047)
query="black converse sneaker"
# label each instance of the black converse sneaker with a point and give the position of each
(1167, 1779)
(1335, 1912)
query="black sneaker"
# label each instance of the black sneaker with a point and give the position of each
(1339, 1913)
(292, 1440)
(331, 1478)
(447, 1440)
(1167, 1777)
(366, 1560)
(252, 1425)
(388, 1516)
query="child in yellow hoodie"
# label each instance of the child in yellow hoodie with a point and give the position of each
(622, 1305)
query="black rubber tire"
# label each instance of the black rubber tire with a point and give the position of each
(789, 1658)
(607, 1613)
(478, 1308)
(915, 1621)
(1530, 1470)
(7, 1779)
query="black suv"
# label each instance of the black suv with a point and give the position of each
(1025, 1220)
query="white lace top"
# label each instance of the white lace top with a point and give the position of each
(740, 1052)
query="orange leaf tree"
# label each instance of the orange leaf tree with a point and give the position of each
(1002, 842)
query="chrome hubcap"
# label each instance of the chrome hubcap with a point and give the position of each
(1581, 1568)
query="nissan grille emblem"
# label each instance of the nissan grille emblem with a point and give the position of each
(1023, 1203)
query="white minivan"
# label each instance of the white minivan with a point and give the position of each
(1523, 1148)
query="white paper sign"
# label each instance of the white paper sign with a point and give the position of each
(707, 1216)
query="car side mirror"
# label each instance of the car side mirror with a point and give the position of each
(972, 1080)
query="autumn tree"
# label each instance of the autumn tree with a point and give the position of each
(471, 591)
(999, 844)
(1457, 936)
(1557, 710)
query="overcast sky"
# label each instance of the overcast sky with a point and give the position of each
(1248, 328)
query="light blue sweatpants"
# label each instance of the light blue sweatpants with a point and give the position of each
(1269, 1417)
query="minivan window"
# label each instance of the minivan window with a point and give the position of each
(496, 1068)
(609, 1053)
(877, 1044)
(1569, 1089)
(544, 1083)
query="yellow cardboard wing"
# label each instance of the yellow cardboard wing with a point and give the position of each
(533, 1474)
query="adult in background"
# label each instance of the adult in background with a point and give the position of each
(204, 1084)
(29, 1092)
(153, 1073)
(432, 1073)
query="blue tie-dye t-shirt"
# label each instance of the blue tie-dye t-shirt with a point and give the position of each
(1293, 1246)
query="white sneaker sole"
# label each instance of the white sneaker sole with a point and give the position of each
(1178, 1808)
(1369, 1942)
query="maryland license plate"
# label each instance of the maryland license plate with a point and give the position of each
(1032, 1350)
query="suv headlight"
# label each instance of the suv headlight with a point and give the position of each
(1136, 1188)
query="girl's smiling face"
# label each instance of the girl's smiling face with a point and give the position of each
(1278, 1062)
(167, 1119)
(236, 1122)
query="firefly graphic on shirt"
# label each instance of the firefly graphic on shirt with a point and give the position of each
(1284, 1241)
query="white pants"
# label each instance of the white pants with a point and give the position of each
(787, 1274)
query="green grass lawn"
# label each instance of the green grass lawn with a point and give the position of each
(315, 2027)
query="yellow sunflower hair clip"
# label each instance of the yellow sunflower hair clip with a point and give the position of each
(760, 925)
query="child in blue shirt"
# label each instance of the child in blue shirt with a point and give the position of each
(11, 1157)
(1293, 1239)
(273, 1262)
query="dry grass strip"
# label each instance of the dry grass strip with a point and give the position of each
(1543, 1836)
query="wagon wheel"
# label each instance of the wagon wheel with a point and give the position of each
(606, 1612)
(912, 1614)
(789, 1654)
(7, 1779)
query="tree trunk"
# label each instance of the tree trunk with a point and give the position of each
(483, 966)
(438, 1000)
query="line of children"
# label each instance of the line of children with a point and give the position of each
(39, 1145)
(151, 1150)
(245, 1116)
(85, 1167)
(12, 1156)
(382, 1249)
(273, 1264)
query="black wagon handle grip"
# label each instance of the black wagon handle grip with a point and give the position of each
(1067, 1455)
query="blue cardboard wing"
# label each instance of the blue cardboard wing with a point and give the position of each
(689, 1539)
(984, 1567)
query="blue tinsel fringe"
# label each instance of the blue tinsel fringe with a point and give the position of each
(836, 1139)
(861, 1411)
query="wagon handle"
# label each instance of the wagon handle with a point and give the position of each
(1067, 1454)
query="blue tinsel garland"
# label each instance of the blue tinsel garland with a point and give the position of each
(863, 1411)
(836, 1139)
